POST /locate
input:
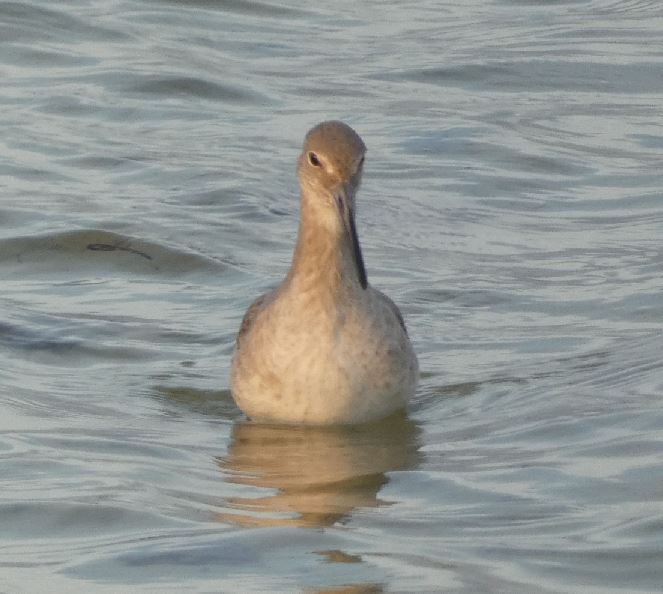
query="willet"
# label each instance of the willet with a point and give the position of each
(324, 347)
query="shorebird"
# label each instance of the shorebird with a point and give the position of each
(324, 347)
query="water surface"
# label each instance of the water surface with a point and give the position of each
(511, 206)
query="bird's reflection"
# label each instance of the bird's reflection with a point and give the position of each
(318, 475)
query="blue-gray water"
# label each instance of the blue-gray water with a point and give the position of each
(512, 205)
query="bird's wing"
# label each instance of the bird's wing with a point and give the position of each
(251, 314)
(394, 308)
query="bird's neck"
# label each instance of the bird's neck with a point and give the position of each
(323, 260)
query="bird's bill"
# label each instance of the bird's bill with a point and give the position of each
(347, 215)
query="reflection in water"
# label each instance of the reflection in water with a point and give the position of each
(320, 474)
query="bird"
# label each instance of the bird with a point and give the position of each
(324, 347)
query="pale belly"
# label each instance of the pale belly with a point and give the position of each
(338, 375)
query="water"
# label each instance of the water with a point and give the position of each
(511, 205)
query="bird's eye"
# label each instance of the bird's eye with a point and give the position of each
(313, 159)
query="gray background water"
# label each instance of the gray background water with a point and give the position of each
(511, 205)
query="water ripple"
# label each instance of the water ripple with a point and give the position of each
(100, 252)
(510, 205)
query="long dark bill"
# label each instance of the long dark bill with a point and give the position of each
(348, 218)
